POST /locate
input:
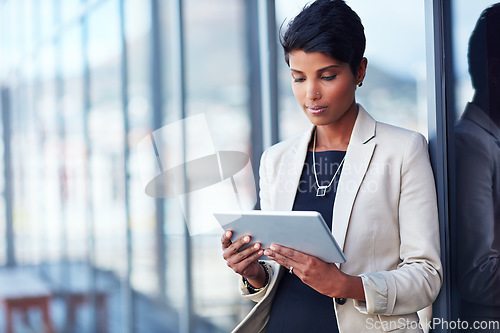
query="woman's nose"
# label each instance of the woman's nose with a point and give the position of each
(313, 92)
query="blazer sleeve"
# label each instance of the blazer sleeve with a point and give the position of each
(272, 270)
(416, 281)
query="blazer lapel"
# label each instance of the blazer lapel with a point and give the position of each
(290, 171)
(358, 157)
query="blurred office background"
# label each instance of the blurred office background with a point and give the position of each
(82, 82)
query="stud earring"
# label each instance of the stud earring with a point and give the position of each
(360, 84)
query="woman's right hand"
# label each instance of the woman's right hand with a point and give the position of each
(244, 262)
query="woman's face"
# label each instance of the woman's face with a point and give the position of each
(324, 86)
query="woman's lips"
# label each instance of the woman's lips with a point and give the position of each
(316, 109)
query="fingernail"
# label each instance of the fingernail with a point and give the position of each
(268, 253)
(228, 234)
(246, 239)
(273, 247)
(256, 246)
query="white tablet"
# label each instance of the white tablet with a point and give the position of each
(306, 232)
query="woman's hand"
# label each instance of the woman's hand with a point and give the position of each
(323, 277)
(244, 262)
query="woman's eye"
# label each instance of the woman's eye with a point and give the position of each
(329, 78)
(298, 79)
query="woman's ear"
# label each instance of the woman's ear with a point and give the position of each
(361, 71)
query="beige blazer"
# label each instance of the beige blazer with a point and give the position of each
(385, 219)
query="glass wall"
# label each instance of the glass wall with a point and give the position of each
(88, 81)
(474, 151)
(107, 104)
(216, 86)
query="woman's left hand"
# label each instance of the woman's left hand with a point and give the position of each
(325, 278)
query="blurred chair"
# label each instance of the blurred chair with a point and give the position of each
(23, 290)
(77, 298)
(72, 282)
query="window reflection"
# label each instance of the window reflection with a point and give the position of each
(105, 125)
(216, 77)
(69, 10)
(73, 148)
(465, 15)
(44, 117)
(476, 165)
(146, 256)
(47, 17)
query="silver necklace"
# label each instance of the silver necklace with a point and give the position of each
(321, 192)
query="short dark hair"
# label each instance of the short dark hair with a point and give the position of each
(484, 46)
(328, 26)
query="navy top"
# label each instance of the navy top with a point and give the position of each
(296, 306)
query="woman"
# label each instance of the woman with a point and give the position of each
(372, 183)
(477, 157)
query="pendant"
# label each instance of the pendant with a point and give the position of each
(321, 192)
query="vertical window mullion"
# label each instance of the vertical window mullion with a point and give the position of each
(437, 14)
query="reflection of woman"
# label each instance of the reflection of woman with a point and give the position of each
(384, 217)
(477, 148)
